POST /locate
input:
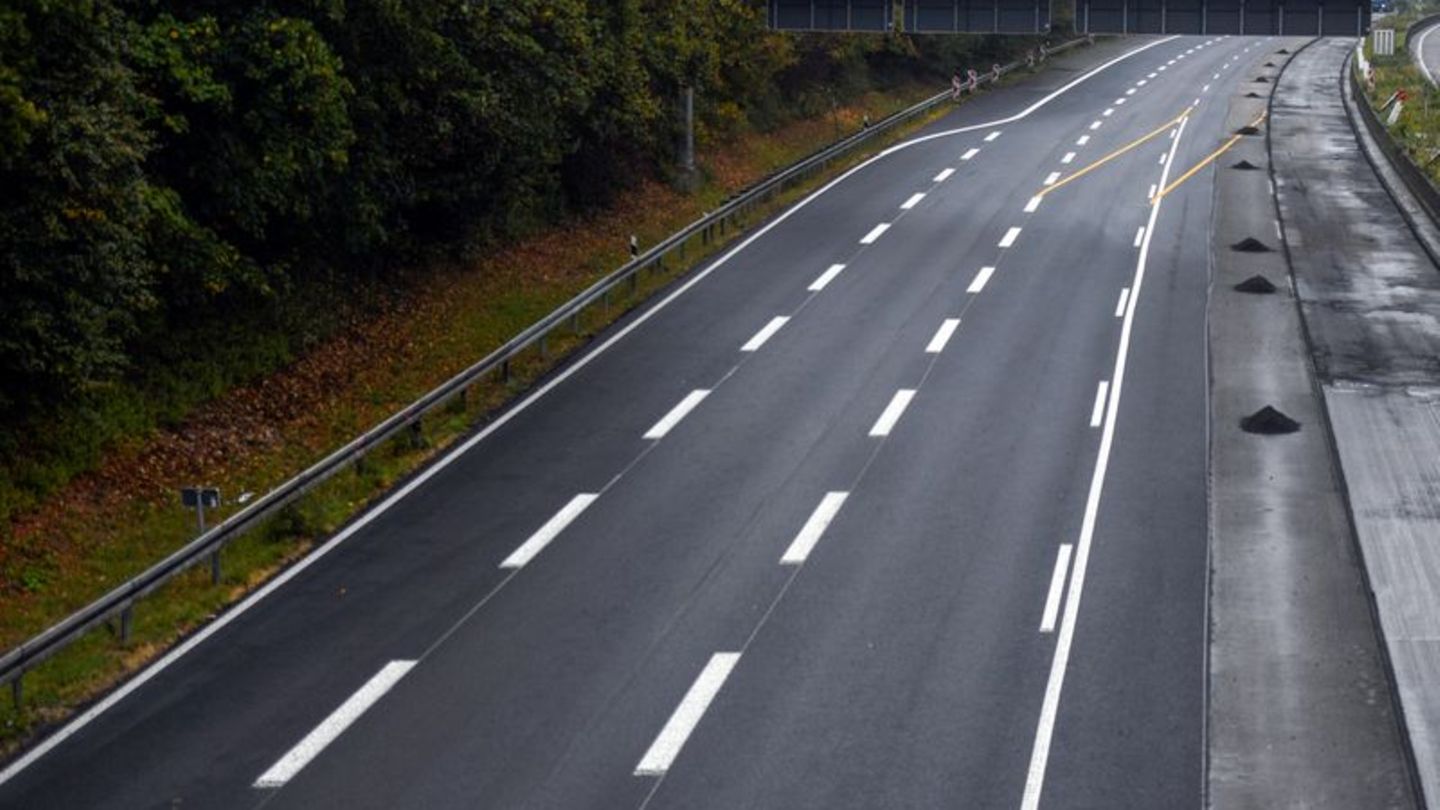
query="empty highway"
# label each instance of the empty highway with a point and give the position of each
(899, 502)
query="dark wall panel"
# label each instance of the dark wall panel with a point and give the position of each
(1100, 15)
(829, 15)
(977, 16)
(1336, 18)
(1303, 20)
(1342, 18)
(1260, 20)
(1219, 20)
(1184, 17)
(1340, 22)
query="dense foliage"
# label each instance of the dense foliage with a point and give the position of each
(180, 178)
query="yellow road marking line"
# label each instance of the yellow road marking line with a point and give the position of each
(1206, 162)
(1117, 153)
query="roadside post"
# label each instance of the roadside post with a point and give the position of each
(199, 499)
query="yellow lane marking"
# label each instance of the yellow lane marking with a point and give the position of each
(1206, 162)
(1117, 153)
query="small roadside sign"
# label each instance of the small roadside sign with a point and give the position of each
(196, 497)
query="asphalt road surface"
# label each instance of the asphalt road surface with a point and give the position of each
(797, 537)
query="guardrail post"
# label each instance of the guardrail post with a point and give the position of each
(417, 433)
(125, 624)
(575, 323)
(505, 371)
(214, 570)
(17, 692)
(544, 349)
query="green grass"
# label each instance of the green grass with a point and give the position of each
(1418, 129)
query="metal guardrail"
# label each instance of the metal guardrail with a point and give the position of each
(119, 602)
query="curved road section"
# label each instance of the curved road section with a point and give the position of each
(1426, 51)
(901, 504)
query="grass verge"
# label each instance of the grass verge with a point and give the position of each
(1417, 130)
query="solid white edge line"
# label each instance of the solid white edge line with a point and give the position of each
(662, 752)
(333, 726)
(1009, 238)
(969, 153)
(1045, 726)
(1097, 413)
(548, 532)
(815, 526)
(913, 201)
(825, 278)
(673, 417)
(869, 238)
(1120, 305)
(892, 412)
(942, 336)
(944, 175)
(1420, 48)
(1140, 232)
(1033, 204)
(127, 688)
(978, 283)
(1054, 94)
(1057, 588)
(766, 332)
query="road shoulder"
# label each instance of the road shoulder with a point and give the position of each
(1369, 295)
(1299, 711)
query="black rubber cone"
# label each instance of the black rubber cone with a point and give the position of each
(1245, 166)
(1250, 245)
(1256, 284)
(1247, 130)
(1253, 95)
(1263, 79)
(1269, 422)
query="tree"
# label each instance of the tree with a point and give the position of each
(75, 272)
